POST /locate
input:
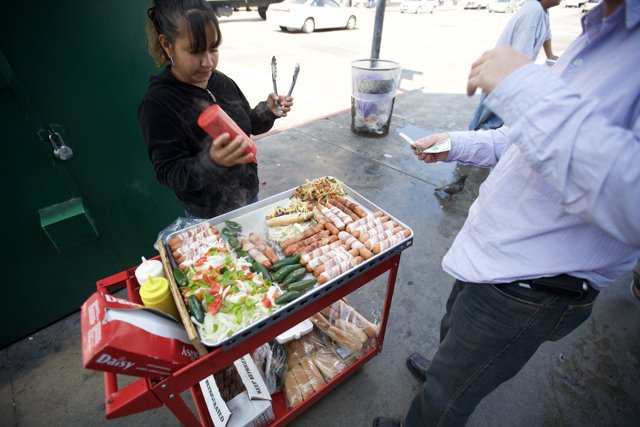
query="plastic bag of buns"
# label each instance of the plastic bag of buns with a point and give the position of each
(302, 378)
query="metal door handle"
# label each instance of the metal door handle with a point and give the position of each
(60, 149)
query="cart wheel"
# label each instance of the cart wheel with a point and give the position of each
(308, 26)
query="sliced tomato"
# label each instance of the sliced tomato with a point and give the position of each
(216, 305)
(215, 288)
(201, 261)
(266, 302)
(208, 279)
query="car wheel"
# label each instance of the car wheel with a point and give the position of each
(351, 23)
(262, 11)
(285, 29)
(308, 26)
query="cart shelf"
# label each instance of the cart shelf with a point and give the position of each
(144, 394)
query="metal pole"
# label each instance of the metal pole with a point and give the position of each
(377, 30)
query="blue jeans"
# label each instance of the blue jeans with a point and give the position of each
(487, 335)
(484, 118)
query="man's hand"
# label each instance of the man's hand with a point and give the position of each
(427, 142)
(224, 152)
(493, 67)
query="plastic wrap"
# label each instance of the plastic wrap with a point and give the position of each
(270, 358)
(339, 337)
(302, 378)
(177, 225)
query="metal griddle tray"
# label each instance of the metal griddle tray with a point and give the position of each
(252, 218)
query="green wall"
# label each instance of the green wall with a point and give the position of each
(79, 67)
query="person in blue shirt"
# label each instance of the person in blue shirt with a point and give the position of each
(527, 31)
(555, 222)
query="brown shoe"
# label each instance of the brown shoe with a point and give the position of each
(635, 289)
(387, 422)
(418, 365)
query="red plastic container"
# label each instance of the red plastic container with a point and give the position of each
(215, 122)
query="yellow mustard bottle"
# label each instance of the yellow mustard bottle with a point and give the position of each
(155, 293)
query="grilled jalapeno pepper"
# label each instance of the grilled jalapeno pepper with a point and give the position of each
(287, 297)
(229, 232)
(233, 225)
(181, 278)
(293, 259)
(302, 285)
(294, 276)
(259, 268)
(195, 308)
(282, 273)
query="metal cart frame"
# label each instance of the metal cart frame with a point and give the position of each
(145, 394)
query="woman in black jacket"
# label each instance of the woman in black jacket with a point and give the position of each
(209, 177)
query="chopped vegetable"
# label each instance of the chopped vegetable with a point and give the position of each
(319, 190)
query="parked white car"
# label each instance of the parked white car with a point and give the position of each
(503, 6)
(418, 6)
(310, 15)
(475, 4)
(574, 3)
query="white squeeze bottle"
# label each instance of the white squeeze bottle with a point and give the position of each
(149, 268)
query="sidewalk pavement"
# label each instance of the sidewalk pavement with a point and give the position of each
(590, 378)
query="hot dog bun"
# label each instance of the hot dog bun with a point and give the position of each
(289, 219)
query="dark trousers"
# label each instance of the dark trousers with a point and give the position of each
(487, 335)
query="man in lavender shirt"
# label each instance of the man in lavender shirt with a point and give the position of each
(556, 221)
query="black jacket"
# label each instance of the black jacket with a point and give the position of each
(179, 148)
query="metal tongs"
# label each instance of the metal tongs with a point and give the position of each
(274, 75)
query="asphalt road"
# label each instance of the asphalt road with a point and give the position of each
(435, 52)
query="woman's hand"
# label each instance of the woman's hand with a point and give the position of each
(279, 105)
(226, 152)
(427, 142)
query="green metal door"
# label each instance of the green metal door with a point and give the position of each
(71, 75)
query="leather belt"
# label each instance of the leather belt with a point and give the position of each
(562, 285)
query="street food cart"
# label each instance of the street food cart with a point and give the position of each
(148, 393)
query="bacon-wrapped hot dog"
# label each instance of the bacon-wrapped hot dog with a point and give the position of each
(340, 253)
(350, 240)
(194, 234)
(263, 247)
(305, 258)
(351, 205)
(293, 249)
(346, 219)
(340, 225)
(344, 209)
(301, 236)
(330, 263)
(319, 216)
(338, 269)
(257, 256)
(316, 245)
(389, 242)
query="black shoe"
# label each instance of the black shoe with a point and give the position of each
(418, 365)
(387, 422)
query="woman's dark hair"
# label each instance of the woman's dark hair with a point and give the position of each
(164, 16)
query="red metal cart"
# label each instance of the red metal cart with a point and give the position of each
(145, 394)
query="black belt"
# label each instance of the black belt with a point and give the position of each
(563, 285)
